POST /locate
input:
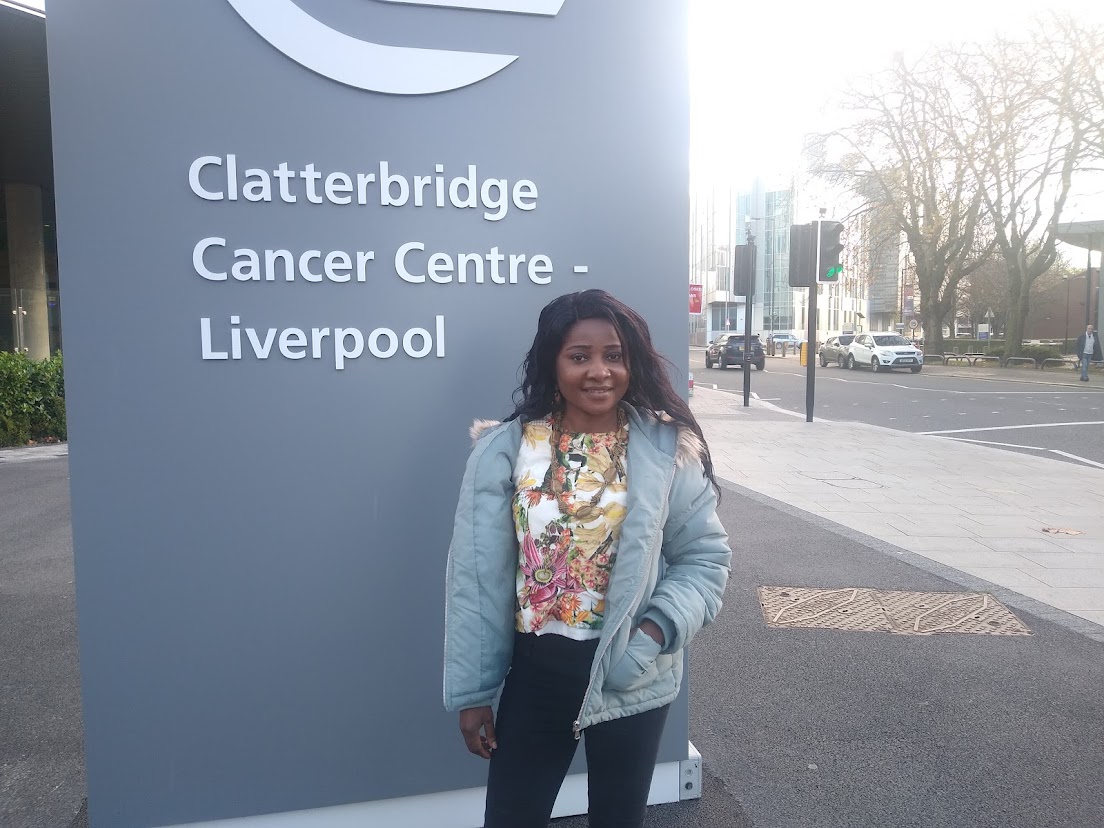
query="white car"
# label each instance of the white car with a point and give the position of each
(884, 352)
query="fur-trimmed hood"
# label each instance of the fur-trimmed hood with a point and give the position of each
(690, 448)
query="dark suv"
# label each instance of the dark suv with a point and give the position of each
(728, 349)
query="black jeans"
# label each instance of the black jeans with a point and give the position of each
(540, 702)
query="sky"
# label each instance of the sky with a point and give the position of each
(762, 75)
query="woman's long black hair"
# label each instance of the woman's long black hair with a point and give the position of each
(649, 381)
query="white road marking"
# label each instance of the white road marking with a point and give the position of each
(1013, 427)
(992, 443)
(1075, 457)
(1066, 454)
(921, 389)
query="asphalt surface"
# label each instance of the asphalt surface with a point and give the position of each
(796, 727)
(1022, 413)
(41, 744)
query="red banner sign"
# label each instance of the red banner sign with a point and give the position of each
(695, 298)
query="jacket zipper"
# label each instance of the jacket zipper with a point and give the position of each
(576, 728)
(444, 659)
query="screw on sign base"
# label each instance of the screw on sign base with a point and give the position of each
(690, 775)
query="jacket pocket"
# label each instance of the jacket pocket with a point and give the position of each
(637, 667)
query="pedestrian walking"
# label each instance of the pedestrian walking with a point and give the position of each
(555, 591)
(1088, 350)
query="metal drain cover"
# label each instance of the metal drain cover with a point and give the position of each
(1055, 530)
(904, 613)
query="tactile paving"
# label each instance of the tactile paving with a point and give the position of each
(860, 609)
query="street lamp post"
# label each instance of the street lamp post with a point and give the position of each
(1065, 337)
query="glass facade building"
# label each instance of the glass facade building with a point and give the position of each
(29, 298)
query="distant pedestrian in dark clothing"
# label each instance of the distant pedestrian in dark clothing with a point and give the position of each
(1088, 350)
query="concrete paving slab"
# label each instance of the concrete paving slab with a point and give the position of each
(962, 559)
(1091, 615)
(1006, 576)
(1021, 546)
(1068, 599)
(1059, 577)
(1060, 560)
(909, 525)
(1009, 530)
(935, 543)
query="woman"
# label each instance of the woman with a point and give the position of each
(554, 583)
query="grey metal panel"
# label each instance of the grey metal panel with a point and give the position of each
(260, 544)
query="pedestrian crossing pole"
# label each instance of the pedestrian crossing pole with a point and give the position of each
(810, 339)
(748, 293)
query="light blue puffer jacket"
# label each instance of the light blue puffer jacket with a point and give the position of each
(671, 517)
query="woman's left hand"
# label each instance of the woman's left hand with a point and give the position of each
(651, 629)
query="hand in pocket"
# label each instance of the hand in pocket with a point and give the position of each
(637, 667)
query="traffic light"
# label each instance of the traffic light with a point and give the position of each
(830, 248)
(743, 269)
(802, 255)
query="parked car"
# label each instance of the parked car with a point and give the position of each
(728, 349)
(835, 350)
(792, 343)
(884, 352)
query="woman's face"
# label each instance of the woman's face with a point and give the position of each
(592, 374)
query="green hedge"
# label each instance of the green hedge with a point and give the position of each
(1041, 352)
(996, 347)
(972, 346)
(32, 400)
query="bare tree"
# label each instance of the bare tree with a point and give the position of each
(1018, 129)
(1081, 45)
(987, 290)
(898, 159)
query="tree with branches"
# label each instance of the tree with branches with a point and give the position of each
(896, 157)
(1017, 127)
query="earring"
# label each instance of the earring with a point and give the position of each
(556, 396)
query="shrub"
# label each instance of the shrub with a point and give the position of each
(1041, 352)
(972, 346)
(32, 400)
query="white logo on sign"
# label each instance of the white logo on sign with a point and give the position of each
(396, 70)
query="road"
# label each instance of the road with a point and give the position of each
(1022, 415)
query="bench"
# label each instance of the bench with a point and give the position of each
(1025, 360)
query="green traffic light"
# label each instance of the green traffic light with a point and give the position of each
(833, 273)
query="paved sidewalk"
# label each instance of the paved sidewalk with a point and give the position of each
(979, 510)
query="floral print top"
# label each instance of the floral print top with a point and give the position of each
(565, 560)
